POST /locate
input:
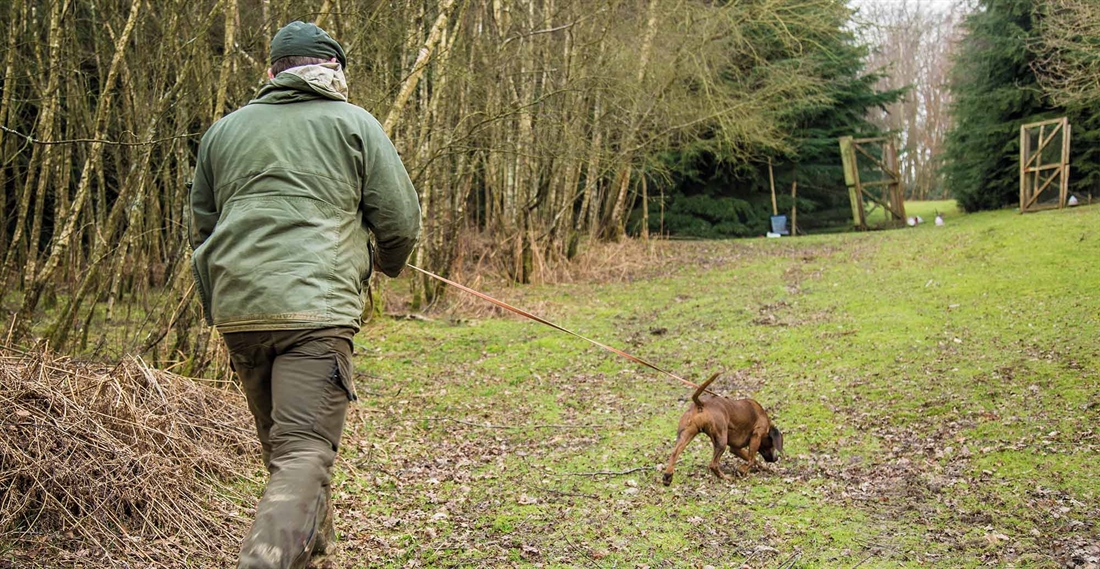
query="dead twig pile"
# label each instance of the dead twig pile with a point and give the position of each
(118, 465)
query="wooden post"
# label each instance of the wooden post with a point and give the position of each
(897, 194)
(1034, 197)
(1023, 167)
(771, 179)
(1065, 164)
(794, 207)
(851, 179)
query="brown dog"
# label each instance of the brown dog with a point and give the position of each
(740, 424)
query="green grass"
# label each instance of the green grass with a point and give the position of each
(926, 210)
(937, 388)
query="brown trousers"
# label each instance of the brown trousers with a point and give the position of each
(298, 384)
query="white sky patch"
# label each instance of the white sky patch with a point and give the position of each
(944, 5)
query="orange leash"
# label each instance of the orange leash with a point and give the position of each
(541, 320)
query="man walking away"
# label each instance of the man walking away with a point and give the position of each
(287, 191)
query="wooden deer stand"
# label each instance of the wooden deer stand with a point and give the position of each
(1036, 176)
(890, 197)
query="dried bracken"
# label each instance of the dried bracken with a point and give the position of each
(118, 465)
(482, 267)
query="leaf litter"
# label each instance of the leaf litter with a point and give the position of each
(912, 458)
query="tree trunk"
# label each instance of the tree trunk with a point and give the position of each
(46, 121)
(615, 228)
(228, 48)
(5, 111)
(92, 163)
(771, 183)
(421, 62)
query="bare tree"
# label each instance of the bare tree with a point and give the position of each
(1068, 51)
(913, 44)
(530, 124)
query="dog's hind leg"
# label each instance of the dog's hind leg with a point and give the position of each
(682, 439)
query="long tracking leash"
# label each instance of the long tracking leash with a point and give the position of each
(542, 320)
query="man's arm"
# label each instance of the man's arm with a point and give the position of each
(204, 209)
(390, 205)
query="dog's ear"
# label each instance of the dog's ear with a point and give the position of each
(777, 439)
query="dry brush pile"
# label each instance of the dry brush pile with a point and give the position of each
(119, 465)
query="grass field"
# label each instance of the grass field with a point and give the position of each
(937, 388)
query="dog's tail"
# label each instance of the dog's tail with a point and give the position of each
(701, 389)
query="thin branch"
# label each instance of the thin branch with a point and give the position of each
(608, 472)
(34, 140)
(520, 426)
(537, 32)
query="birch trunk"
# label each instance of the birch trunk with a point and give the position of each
(229, 46)
(5, 111)
(58, 332)
(46, 121)
(615, 228)
(421, 62)
(91, 164)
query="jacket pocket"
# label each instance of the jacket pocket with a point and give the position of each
(204, 290)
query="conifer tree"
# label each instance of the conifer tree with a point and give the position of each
(995, 91)
(719, 194)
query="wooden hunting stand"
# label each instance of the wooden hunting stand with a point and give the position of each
(890, 196)
(1035, 143)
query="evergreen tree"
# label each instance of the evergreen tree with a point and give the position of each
(815, 160)
(996, 91)
(717, 193)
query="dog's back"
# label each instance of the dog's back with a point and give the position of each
(744, 418)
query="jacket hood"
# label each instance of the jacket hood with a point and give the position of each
(305, 83)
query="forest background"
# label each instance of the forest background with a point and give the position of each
(531, 128)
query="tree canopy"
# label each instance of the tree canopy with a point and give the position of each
(716, 192)
(996, 90)
(529, 124)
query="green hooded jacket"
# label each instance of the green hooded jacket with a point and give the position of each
(286, 193)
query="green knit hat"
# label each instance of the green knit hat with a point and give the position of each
(306, 40)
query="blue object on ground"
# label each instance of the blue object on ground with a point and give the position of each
(779, 225)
